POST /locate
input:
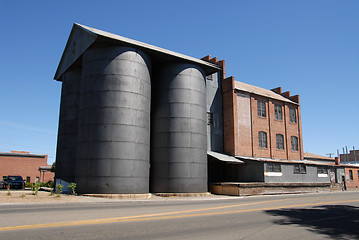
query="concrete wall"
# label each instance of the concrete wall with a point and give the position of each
(288, 175)
(251, 171)
(255, 171)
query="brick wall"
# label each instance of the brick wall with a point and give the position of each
(355, 182)
(260, 124)
(244, 146)
(229, 117)
(25, 165)
(242, 124)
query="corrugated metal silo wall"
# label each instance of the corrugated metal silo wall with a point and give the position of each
(179, 130)
(114, 123)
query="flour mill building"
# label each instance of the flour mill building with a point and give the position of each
(136, 118)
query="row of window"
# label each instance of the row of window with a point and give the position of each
(262, 138)
(298, 168)
(278, 112)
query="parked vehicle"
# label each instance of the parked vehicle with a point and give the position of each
(14, 182)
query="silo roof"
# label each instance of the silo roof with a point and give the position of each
(82, 37)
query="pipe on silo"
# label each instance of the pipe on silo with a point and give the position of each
(179, 130)
(68, 127)
(114, 123)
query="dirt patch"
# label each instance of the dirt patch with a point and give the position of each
(25, 196)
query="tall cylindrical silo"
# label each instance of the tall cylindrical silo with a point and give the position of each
(179, 137)
(68, 127)
(114, 123)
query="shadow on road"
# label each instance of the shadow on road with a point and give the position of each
(336, 221)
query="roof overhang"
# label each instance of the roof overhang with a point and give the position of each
(224, 158)
(82, 37)
(287, 161)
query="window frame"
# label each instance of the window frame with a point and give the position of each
(279, 147)
(273, 167)
(295, 147)
(210, 118)
(351, 177)
(278, 112)
(261, 109)
(322, 170)
(262, 139)
(299, 169)
(292, 115)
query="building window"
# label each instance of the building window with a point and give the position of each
(273, 167)
(322, 170)
(294, 143)
(262, 138)
(37, 179)
(292, 115)
(280, 141)
(210, 120)
(300, 168)
(351, 175)
(358, 174)
(27, 179)
(262, 112)
(278, 112)
(4, 178)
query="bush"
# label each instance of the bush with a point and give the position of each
(50, 184)
(28, 185)
(72, 188)
(43, 184)
(35, 188)
(59, 189)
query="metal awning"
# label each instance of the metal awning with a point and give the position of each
(224, 158)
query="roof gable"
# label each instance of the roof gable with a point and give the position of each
(261, 92)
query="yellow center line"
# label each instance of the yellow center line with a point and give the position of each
(166, 215)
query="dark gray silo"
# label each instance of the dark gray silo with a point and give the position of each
(68, 126)
(109, 141)
(178, 147)
(114, 123)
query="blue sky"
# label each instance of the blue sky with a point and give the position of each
(307, 47)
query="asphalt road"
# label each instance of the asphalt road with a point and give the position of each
(304, 216)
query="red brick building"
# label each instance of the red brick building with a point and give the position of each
(32, 167)
(351, 158)
(351, 175)
(260, 122)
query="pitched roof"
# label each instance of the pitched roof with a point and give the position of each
(82, 37)
(244, 87)
(316, 156)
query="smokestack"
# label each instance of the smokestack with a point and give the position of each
(355, 156)
(337, 161)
